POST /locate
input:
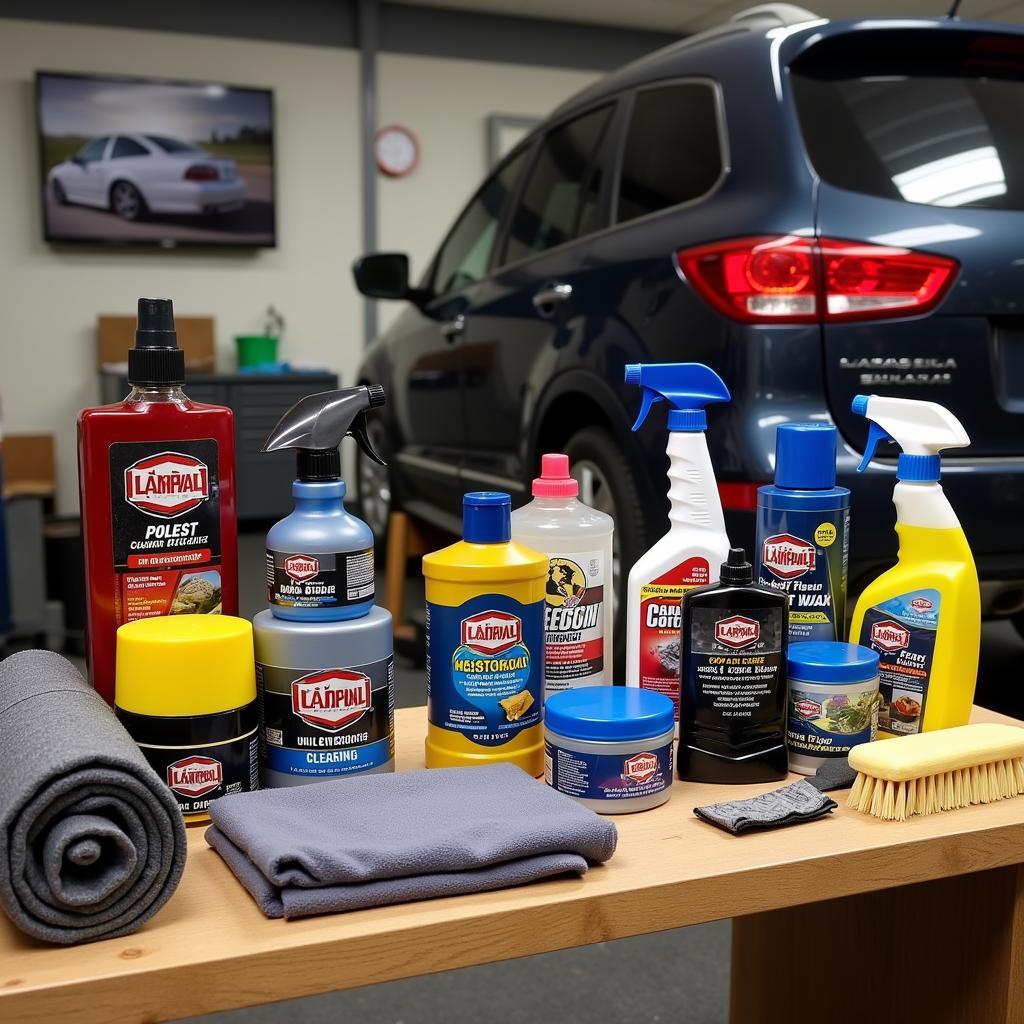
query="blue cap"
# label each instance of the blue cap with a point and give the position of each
(918, 468)
(609, 713)
(805, 456)
(826, 661)
(687, 420)
(487, 517)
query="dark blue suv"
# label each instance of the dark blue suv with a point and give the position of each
(815, 209)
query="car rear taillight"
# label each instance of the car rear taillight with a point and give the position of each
(807, 280)
(201, 172)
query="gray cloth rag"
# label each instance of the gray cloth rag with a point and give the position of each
(92, 843)
(790, 805)
(835, 773)
(376, 840)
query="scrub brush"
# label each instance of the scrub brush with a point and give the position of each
(937, 771)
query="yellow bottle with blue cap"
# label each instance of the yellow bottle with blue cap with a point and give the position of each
(186, 692)
(485, 643)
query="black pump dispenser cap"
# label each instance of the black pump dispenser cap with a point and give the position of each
(319, 464)
(736, 569)
(156, 360)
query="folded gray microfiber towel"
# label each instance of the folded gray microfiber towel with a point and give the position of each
(92, 843)
(375, 840)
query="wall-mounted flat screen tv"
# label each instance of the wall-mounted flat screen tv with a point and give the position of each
(129, 160)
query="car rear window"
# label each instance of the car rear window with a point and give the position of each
(932, 118)
(673, 151)
(169, 145)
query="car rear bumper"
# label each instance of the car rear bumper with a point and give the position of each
(197, 197)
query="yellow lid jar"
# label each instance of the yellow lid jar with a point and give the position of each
(186, 692)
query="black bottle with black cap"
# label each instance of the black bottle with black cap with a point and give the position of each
(157, 480)
(732, 712)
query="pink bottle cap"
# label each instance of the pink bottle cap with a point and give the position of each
(554, 480)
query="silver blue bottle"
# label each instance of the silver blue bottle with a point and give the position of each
(324, 651)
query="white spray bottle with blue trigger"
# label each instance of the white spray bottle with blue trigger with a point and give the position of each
(324, 652)
(696, 544)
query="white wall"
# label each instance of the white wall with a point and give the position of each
(49, 297)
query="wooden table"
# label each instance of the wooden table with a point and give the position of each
(845, 919)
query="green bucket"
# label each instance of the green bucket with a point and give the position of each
(256, 349)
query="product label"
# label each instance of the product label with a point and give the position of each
(333, 580)
(805, 555)
(735, 670)
(574, 621)
(608, 776)
(165, 510)
(660, 620)
(326, 722)
(485, 667)
(903, 631)
(825, 724)
(197, 775)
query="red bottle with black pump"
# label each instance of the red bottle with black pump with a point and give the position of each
(157, 485)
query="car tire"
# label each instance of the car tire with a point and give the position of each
(60, 197)
(126, 201)
(608, 483)
(374, 486)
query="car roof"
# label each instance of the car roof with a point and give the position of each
(756, 29)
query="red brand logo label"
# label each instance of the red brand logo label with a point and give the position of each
(301, 567)
(737, 631)
(167, 485)
(332, 699)
(492, 632)
(921, 604)
(640, 767)
(787, 556)
(195, 776)
(890, 636)
(807, 708)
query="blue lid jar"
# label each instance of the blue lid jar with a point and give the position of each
(609, 714)
(828, 661)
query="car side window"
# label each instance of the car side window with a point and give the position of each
(466, 252)
(94, 149)
(673, 152)
(560, 200)
(127, 147)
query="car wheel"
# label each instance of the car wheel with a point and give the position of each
(126, 201)
(374, 492)
(60, 197)
(608, 484)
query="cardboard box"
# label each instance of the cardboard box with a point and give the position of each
(116, 334)
(30, 465)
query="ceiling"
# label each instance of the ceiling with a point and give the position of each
(686, 16)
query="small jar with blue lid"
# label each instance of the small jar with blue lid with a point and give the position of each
(833, 701)
(610, 747)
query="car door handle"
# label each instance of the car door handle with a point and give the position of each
(545, 300)
(451, 329)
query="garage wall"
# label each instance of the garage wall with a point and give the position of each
(49, 297)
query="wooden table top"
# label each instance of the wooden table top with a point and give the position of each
(210, 948)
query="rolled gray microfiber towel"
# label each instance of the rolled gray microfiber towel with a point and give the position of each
(92, 843)
(376, 840)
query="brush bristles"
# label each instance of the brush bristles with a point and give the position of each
(944, 791)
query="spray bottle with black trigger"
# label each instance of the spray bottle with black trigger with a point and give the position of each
(324, 668)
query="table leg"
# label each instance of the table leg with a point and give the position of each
(946, 952)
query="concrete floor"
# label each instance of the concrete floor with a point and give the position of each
(680, 975)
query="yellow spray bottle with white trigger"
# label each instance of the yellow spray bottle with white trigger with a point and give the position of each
(922, 616)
